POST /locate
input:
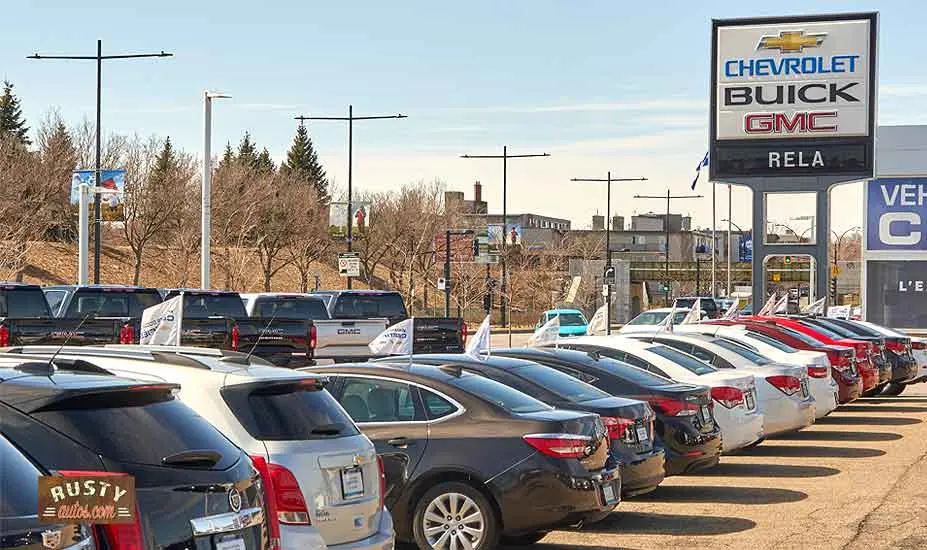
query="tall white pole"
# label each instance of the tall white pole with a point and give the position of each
(730, 198)
(714, 242)
(83, 234)
(206, 202)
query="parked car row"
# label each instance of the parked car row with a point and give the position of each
(285, 328)
(449, 450)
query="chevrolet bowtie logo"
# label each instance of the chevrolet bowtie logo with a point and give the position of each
(791, 41)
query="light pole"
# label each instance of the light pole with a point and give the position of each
(99, 58)
(839, 243)
(608, 230)
(740, 246)
(206, 214)
(350, 120)
(505, 156)
(668, 198)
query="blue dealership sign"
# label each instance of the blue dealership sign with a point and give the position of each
(896, 214)
(746, 248)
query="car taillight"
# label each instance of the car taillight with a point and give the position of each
(862, 349)
(127, 334)
(617, 427)
(464, 332)
(119, 536)
(897, 346)
(918, 346)
(817, 371)
(788, 385)
(559, 445)
(4, 336)
(673, 407)
(235, 336)
(728, 396)
(382, 472)
(283, 497)
(313, 337)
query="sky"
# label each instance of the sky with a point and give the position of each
(599, 84)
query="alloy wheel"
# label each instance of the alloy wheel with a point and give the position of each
(453, 521)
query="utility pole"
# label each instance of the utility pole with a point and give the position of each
(97, 211)
(668, 197)
(505, 156)
(727, 245)
(608, 231)
(350, 120)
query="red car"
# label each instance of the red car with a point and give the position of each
(842, 358)
(868, 370)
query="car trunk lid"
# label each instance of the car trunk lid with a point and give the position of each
(565, 424)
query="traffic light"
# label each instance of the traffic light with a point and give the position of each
(833, 288)
(788, 260)
(476, 246)
(487, 302)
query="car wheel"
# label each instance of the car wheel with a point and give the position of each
(893, 389)
(455, 515)
(524, 540)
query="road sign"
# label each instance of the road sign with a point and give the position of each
(776, 277)
(610, 275)
(349, 264)
(605, 290)
(442, 283)
(834, 270)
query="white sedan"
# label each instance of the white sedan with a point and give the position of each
(784, 391)
(736, 410)
(648, 320)
(823, 385)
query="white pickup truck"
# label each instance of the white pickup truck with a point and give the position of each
(340, 340)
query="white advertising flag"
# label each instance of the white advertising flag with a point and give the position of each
(480, 342)
(667, 324)
(645, 298)
(695, 314)
(731, 312)
(161, 323)
(814, 308)
(395, 340)
(838, 312)
(598, 321)
(548, 333)
(782, 305)
(769, 305)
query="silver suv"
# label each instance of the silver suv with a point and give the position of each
(323, 478)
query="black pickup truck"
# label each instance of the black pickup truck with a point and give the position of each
(218, 319)
(26, 319)
(429, 334)
(120, 303)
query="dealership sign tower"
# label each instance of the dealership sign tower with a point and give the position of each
(793, 111)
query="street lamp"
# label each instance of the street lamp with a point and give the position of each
(837, 246)
(207, 190)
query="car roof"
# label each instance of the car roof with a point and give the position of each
(558, 310)
(495, 361)
(664, 310)
(438, 375)
(6, 285)
(359, 291)
(250, 295)
(100, 287)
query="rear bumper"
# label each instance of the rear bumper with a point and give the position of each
(642, 473)
(383, 539)
(904, 371)
(848, 389)
(536, 497)
(870, 376)
(293, 360)
(692, 454)
(787, 415)
(301, 538)
(825, 396)
(738, 427)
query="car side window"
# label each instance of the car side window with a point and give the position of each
(636, 361)
(704, 355)
(373, 400)
(657, 371)
(436, 406)
(721, 363)
(584, 376)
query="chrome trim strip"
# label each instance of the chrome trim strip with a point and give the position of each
(227, 523)
(560, 436)
(460, 408)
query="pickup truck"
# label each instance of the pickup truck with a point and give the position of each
(218, 319)
(121, 303)
(429, 334)
(26, 319)
(336, 339)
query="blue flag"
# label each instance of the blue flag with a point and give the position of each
(698, 170)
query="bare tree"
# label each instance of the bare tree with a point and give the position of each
(281, 215)
(372, 243)
(184, 230)
(312, 243)
(234, 220)
(156, 176)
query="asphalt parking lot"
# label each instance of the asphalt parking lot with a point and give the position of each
(855, 480)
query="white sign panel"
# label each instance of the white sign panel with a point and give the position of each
(349, 264)
(793, 80)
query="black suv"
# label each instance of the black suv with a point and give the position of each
(194, 488)
(20, 528)
(708, 305)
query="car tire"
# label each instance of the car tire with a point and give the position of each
(894, 389)
(467, 501)
(524, 540)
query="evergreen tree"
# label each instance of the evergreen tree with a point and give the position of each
(247, 151)
(265, 164)
(303, 160)
(166, 158)
(12, 122)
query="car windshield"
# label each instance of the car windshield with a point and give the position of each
(572, 320)
(200, 306)
(499, 394)
(633, 374)
(770, 342)
(839, 329)
(369, 306)
(860, 329)
(742, 351)
(23, 303)
(111, 302)
(561, 384)
(291, 308)
(823, 330)
(684, 360)
(649, 318)
(18, 483)
(810, 340)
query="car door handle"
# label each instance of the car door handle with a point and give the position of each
(400, 442)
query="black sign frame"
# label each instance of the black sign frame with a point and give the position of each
(829, 147)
